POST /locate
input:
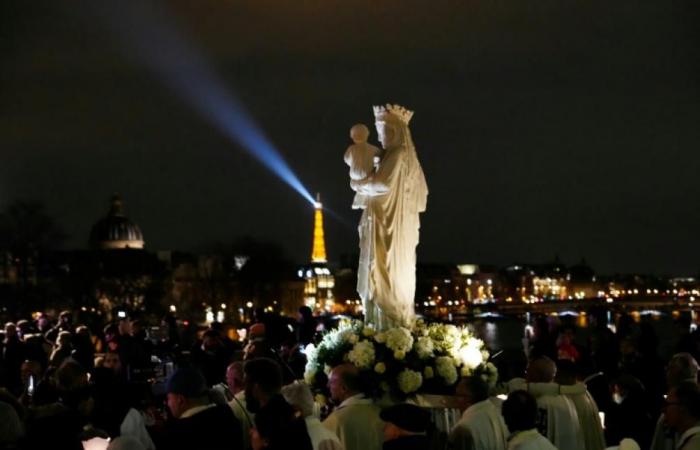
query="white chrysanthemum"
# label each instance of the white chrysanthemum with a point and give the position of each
(362, 355)
(399, 339)
(424, 347)
(446, 369)
(409, 381)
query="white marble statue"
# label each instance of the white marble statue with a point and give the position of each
(362, 158)
(389, 228)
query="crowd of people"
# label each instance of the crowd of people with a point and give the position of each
(68, 385)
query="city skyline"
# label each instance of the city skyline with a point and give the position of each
(544, 129)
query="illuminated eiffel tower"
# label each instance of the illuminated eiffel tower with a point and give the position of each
(319, 281)
(318, 251)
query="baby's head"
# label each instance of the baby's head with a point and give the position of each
(359, 133)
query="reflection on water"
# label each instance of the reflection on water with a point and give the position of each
(508, 332)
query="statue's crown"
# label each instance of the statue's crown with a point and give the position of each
(397, 111)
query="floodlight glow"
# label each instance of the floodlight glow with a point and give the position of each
(154, 39)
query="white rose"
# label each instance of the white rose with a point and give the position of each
(409, 381)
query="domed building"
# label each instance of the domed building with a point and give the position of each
(116, 231)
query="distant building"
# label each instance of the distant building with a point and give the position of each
(116, 231)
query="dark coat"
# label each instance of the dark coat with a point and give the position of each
(416, 442)
(215, 428)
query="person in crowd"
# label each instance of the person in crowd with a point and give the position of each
(13, 354)
(210, 356)
(629, 417)
(586, 408)
(65, 323)
(306, 325)
(63, 349)
(557, 416)
(197, 423)
(406, 427)
(682, 414)
(299, 396)
(11, 427)
(681, 368)
(520, 415)
(277, 425)
(356, 419)
(115, 410)
(142, 346)
(113, 362)
(481, 426)
(83, 349)
(59, 424)
(235, 381)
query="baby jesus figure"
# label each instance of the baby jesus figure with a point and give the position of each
(362, 158)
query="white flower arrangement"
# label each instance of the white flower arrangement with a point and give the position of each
(446, 369)
(424, 347)
(362, 354)
(399, 361)
(409, 381)
(399, 339)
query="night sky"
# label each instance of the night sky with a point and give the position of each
(544, 127)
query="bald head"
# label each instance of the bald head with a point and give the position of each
(541, 370)
(235, 376)
(344, 382)
(682, 367)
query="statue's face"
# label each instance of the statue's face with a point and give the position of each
(387, 135)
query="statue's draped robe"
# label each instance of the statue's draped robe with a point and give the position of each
(389, 235)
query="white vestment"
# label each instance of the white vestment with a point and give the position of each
(481, 427)
(244, 416)
(357, 424)
(135, 426)
(389, 233)
(557, 416)
(588, 414)
(321, 437)
(529, 440)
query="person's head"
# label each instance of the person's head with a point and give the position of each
(64, 338)
(235, 376)
(277, 426)
(113, 362)
(626, 386)
(628, 346)
(299, 396)
(359, 133)
(404, 419)
(471, 390)
(519, 411)
(682, 406)
(186, 388)
(10, 426)
(65, 318)
(541, 370)
(211, 341)
(344, 382)
(263, 380)
(305, 314)
(83, 332)
(10, 330)
(124, 326)
(24, 327)
(681, 367)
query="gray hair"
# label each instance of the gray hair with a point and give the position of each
(299, 396)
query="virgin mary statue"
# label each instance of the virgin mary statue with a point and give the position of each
(389, 227)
